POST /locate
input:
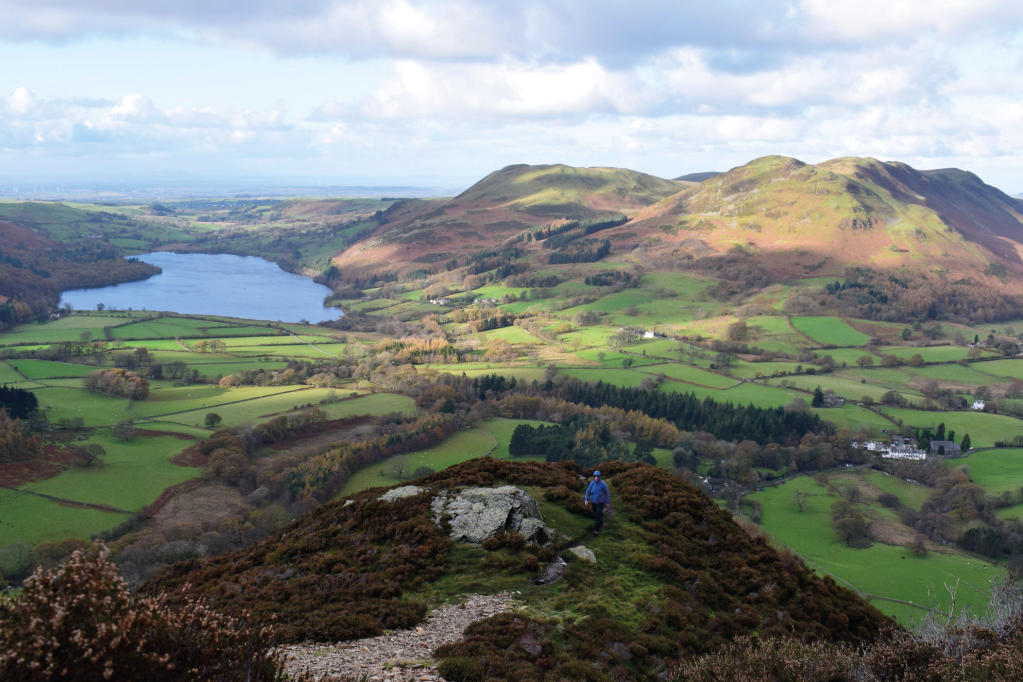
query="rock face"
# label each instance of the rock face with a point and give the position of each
(400, 493)
(480, 513)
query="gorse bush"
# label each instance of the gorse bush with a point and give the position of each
(80, 622)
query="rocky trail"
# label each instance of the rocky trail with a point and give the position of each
(400, 656)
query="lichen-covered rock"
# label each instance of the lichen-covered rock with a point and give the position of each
(584, 553)
(401, 493)
(480, 513)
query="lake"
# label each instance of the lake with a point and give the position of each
(202, 284)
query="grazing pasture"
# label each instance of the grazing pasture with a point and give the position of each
(31, 519)
(455, 449)
(995, 470)
(692, 375)
(131, 476)
(881, 570)
(831, 331)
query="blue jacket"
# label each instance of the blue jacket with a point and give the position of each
(597, 492)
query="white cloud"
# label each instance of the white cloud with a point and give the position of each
(509, 89)
(871, 20)
(136, 109)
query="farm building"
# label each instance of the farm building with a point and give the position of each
(978, 405)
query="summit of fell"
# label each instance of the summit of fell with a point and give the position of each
(800, 219)
(674, 575)
(504, 203)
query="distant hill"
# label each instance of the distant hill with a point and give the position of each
(503, 204)
(801, 219)
(698, 177)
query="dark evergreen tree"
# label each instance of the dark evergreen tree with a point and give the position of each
(818, 398)
(725, 420)
(965, 445)
(17, 401)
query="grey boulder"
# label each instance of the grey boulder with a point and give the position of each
(584, 553)
(480, 513)
(401, 493)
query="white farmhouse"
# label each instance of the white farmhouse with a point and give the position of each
(978, 404)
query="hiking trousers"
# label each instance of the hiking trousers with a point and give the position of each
(598, 515)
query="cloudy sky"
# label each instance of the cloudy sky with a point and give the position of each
(449, 90)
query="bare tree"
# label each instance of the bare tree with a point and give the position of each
(398, 467)
(125, 430)
(801, 498)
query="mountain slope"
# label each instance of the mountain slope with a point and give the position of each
(500, 206)
(674, 575)
(801, 219)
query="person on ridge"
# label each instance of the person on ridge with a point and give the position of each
(597, 493)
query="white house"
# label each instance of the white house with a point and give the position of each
(904, 452)
(899, 448)
(978, 404)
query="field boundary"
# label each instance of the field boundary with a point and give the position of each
(70, 503)
(313, 346)
(496, 444)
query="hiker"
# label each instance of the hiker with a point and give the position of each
(597, 493)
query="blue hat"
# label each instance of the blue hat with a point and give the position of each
(596, 473)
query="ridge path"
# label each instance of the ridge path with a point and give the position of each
(402, 655)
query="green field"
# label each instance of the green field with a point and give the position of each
(458, 448)
(254, 409)
(619, 377)
(995, 470)
(1001, 368)
(931, 354)
(691, 375)
(8, 375)
(132, 475)
(830, 331)
(65, 329)
(176, 399)
(44, 369)
(501, 429)
(375, 404)
(848, 388)
(910, 494)
(881, 570)
(30, 519)
(95, 409)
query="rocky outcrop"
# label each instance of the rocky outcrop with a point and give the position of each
(480, 513)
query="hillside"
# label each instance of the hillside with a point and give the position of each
(804, 220)
(501, 205)
(674, 574)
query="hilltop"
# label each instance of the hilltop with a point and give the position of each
(674, 575)
(501, 205)
(809, 220)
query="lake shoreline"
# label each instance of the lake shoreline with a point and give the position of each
(246, 287)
